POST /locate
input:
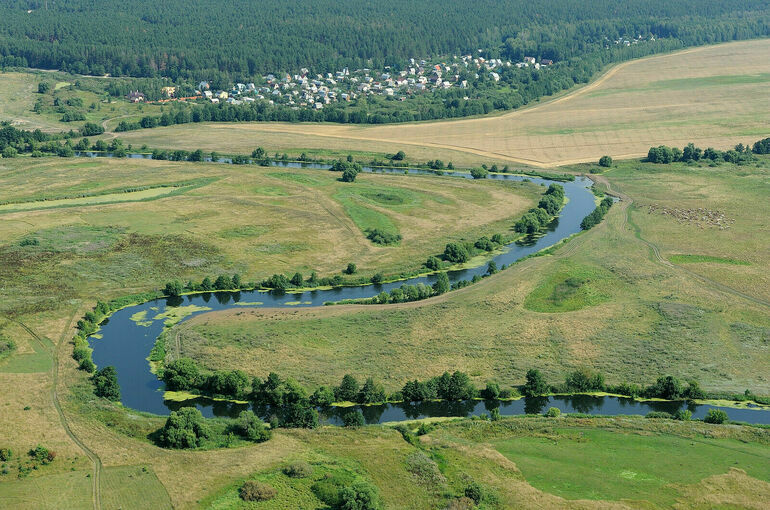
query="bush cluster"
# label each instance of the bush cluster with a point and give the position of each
(597, 214)
(540, 216)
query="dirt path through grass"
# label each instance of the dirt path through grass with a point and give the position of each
(96, 479)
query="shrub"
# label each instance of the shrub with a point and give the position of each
(479, 173)
(473, 491)
(494, 414)
(535, 384)
(683, 415)
(715, 416)
(605, 161)
(351, 269)
(348, 389)
(252, 428)
(381, 237)
(491, 392)
(423, 467)
(185, 428)
(106, 384)
(252, 490)
(433, 263)
(5, 454)
(463, 503)
(584, 380)
(360, 496)
(456, 252)
(553, 412)
(298, 470)
(659, 415)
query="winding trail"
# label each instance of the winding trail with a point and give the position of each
(54, 350)
(96, 492)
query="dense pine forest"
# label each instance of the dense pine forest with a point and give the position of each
(239, 40)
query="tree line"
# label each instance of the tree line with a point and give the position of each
(597, 214)
(546, 209)
(740, 154)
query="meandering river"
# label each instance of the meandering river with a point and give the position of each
(126, 338)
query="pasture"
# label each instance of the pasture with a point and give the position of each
(712, 95)
(202, 220)
(618, 309)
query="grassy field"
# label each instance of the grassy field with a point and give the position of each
(527, 463)
(221, 218)
(713, 96)
(603, 302)
(131, 487)
(19, 94)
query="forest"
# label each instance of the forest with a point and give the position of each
(240, 41)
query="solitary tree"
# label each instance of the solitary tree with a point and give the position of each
(605, 161)
(106, 383)
(535, 384)
(441, 284)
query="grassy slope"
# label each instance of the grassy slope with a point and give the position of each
(18, 95)
(628, 315)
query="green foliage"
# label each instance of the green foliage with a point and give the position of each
(249, 426)
(173, 288)
(433, 263)
(683, 415)
(597, 214)
(473, 491)
(553, 412)
(91, 129)
(353, 418)
(479, 173)
(605, 161)
(298, 470)
(351, 268)
(382, 237)
(456, 253)
(441, 285)
(43, 87)
(106, 384)
(584, 380)
(535, 384)
(347, 390)
(360, 496)
(185, 428)
(716, 416)
(252, 490)
(491, 391)
(323, 396)
(181, 374)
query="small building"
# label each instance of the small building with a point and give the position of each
(135, 97)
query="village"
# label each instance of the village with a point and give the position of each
(304, 90)
(418, 76)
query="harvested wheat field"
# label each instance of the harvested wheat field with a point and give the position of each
(713, 96)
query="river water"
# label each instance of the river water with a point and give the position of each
(125, 342)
